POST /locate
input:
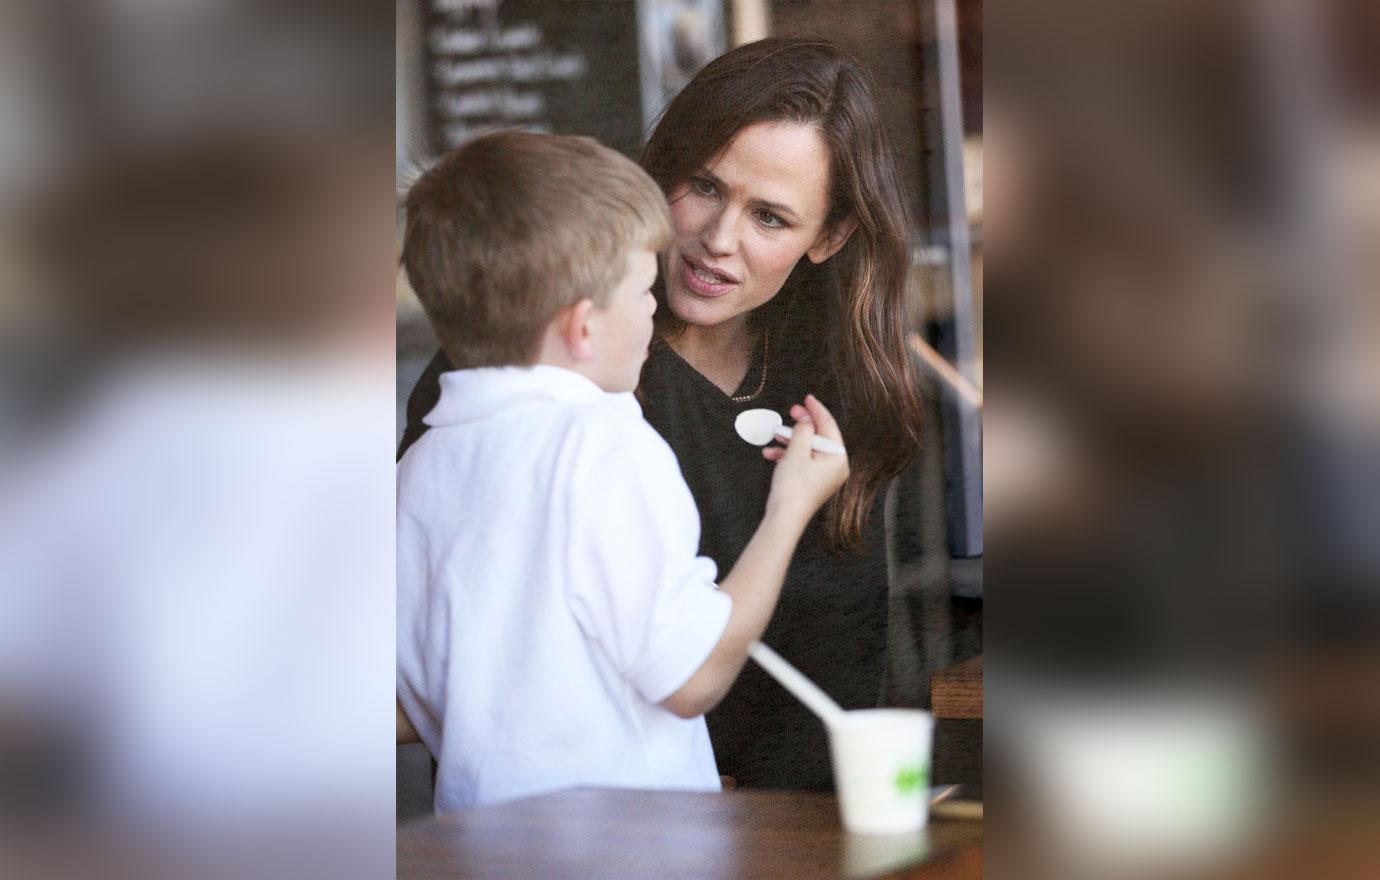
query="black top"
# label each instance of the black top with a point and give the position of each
(831, 619)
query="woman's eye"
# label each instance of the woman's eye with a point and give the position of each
(770, 220)
(702, 186)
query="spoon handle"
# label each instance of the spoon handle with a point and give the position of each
(818, 444)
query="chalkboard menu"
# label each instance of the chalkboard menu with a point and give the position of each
(569, 67)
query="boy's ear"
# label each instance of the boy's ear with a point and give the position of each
(832, 240)
(575, 327)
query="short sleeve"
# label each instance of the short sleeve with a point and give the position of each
(636, 585)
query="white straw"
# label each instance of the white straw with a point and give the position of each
(806, 691)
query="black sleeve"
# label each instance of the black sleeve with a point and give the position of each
(423, 399)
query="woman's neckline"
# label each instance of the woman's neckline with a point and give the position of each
(722, 353)
(751, 386)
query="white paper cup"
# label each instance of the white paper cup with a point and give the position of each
(882, 769)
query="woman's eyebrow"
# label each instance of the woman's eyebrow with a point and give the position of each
(774, 207)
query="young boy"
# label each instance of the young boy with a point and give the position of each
(555, 626)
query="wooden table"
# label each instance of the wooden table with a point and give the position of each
(956, 692)
(608, 833)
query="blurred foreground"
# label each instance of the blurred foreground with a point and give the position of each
(1182, 423)
(1183, 439)
(196, 483)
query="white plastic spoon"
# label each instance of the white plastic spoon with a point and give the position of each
(759, 426)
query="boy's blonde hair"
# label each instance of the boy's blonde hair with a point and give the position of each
(513, 226)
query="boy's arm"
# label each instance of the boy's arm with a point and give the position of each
(802, 482)
(754, 585)
(406, 732)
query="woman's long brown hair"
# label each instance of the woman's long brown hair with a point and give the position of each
(810, 81)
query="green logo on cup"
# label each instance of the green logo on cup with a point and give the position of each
(913, 778)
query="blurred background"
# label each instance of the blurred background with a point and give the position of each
(606, 68)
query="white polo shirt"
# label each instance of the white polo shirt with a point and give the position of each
(549, 592)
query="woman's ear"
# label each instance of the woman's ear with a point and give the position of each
(832, 240)
(575, 327)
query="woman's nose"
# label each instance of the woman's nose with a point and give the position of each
(720, 233)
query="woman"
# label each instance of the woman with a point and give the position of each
(785, 276)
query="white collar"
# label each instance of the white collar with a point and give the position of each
(476, 393)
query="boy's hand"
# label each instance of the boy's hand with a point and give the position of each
(805, 479)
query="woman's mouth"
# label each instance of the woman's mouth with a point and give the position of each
(704, 282)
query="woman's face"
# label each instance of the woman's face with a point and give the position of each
(741, 223)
